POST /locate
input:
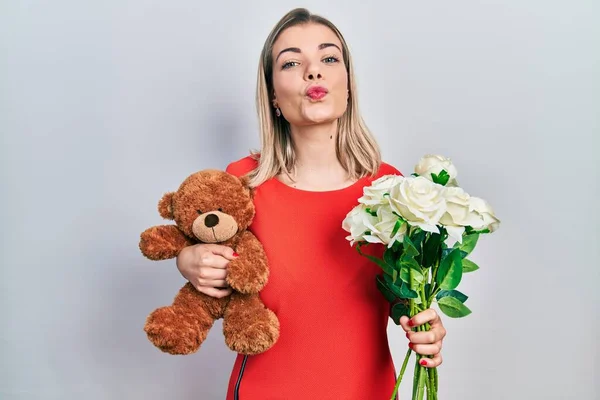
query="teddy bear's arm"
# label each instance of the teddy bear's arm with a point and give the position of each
(163, 242)
(249, 272)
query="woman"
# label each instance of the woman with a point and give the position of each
(316, 157)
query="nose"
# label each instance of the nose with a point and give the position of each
(313, 72)
(211, 220)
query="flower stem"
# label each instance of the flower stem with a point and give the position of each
(416, 379)
(432, 372)
(421, 383)
(404, 364)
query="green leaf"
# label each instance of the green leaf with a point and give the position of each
(442, 178)
(398, 310)
(407, 293)
(468, 243)
(431, 249)
(409, 247)
(469, 230)
(405, 273)
(369, 211)
(415, 273)
(469, 266)
(384, 289)
(418, 237)
(409, 262)
(391, 286)
(453, 308)
(452, 293)
(410, 272)
(390, 257)
(384, 266)
(449, 273)
(397, 226)
(446, 251)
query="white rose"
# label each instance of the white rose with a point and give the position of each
(373, 194)
(434, 164)
(357, 222)
(458, 213)
(420, 201)
(384, 228)
(483, 215)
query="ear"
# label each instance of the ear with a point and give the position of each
(165, 206)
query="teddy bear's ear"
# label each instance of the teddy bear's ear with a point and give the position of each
(165, 206)
(246, 184)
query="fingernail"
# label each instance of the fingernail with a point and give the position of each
(407, 335)
(423, 362)
(411, 345)
(411, 322)
(235, 254)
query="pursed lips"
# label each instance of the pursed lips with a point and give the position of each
(316, 92)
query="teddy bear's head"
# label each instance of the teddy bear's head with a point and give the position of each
(210, 205)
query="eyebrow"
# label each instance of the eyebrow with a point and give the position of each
(297, 50)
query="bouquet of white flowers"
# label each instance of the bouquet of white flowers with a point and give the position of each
(417, 218)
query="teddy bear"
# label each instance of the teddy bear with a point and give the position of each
(212, 206)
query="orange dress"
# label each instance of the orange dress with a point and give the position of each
(333, 340)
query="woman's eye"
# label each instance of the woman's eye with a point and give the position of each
(289, 64)
(331, 59)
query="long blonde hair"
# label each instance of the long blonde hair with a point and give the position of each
(356, 148)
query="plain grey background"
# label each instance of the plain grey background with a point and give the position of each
(105, 105)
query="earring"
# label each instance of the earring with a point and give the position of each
(278, 112)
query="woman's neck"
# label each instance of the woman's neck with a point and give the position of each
(317, 166)
(315, 147)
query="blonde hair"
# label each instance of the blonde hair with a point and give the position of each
(356, 148)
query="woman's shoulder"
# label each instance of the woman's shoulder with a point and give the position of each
(243, 165)
(387, 169)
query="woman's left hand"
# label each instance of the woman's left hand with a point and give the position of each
(429, 342)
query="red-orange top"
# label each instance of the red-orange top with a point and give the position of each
(333, 340)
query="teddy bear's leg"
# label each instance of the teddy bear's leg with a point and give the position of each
(248, 326)
(182, 327)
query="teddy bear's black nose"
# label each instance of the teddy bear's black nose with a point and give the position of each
(211, 220)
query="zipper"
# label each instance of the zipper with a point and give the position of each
(236, 393)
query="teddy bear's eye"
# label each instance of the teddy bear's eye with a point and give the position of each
(199, 211)
(220, 209)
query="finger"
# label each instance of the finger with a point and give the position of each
(209, 274)
(426, 349)
(429, 315)
(432, 362)
(223, 251)
(213, 283)
(209, 259)
(433, 335)
(214, 292)
(404, 323)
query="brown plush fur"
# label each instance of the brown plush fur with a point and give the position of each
(212, 206)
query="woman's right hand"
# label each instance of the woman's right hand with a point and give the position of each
(205, 267)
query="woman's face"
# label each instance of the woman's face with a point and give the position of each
(310, 80)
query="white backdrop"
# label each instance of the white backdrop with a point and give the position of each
(105, 105)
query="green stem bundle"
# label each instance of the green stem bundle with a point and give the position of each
(424, 379)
